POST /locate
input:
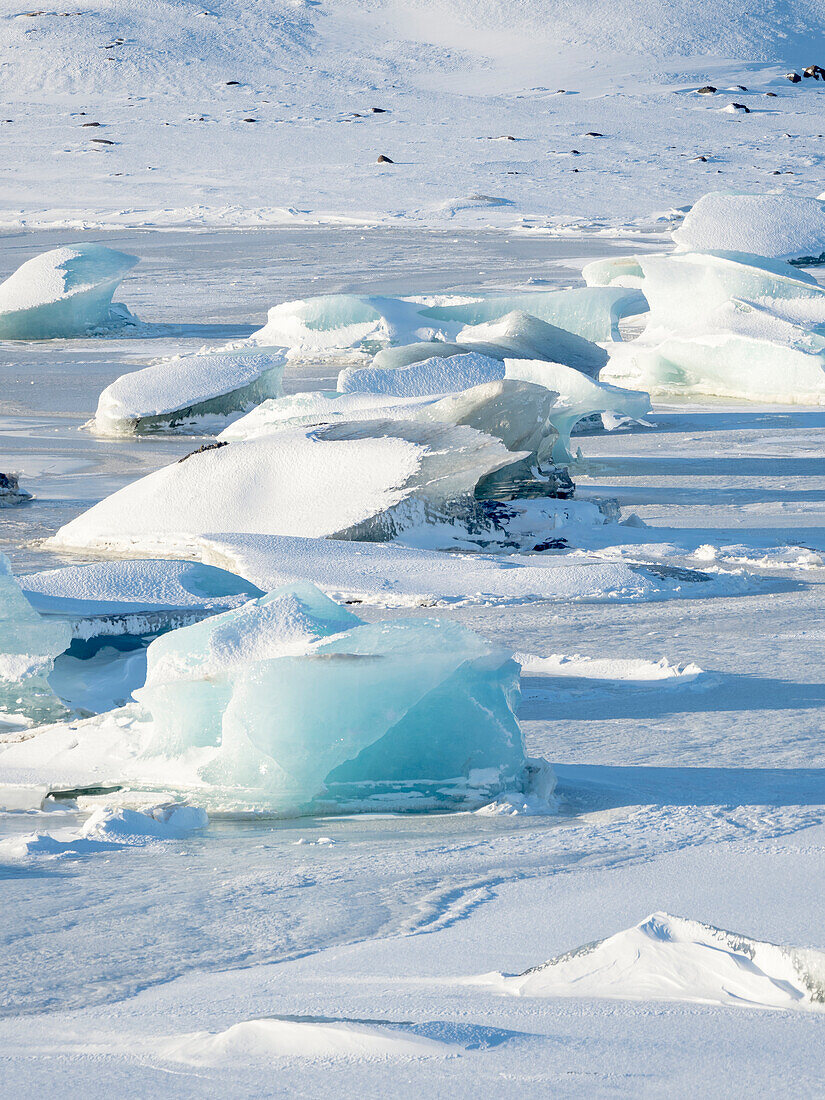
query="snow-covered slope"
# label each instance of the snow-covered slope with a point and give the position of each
(243, 114)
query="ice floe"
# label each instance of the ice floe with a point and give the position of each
(784, 226)
(667, 958)
(65, 292)
(190, 392)
(434, 376)
(292, 704)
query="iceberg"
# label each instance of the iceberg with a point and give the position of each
(336, 323)
(786, 227)
(614, 271)
(65, 292)
(423, 379)
(518, 335)
(191, 391)
(364, 479)
(405, 354)
(727, 325)
(28, 646)
(138, 597)
(577, 398)
(10, 491)
(301, 705)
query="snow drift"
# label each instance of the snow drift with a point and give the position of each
(65, 292)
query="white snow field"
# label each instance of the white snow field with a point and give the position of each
(166, 929)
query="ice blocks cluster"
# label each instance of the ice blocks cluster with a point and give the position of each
(726, 324)
(28, 646)
(292, 703)
(65, 292)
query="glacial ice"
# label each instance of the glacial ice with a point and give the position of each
(423, 379)
(293, 703)
(787, 227)
(363, 479)
(518, 335)
(65, 292)
(727, 325)
(403, 355)
(28, 646)
(134, 597)
(334, 323)
(191, 391)
(614, 271)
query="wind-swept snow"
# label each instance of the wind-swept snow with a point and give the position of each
(65, 292)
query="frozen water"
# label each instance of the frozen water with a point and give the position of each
(614, 271)
(65, 292)
(309, 481)
(667, 958)
(518, 335)
(190, 392)
(404, 354)
(785, 226)
(425, 378)
(133, 597)
(28, 646)
(299, 703)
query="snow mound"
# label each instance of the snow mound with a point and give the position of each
(28, 646)
(190, 391)
(518, 335)
(303, 1039)
(134, 597)
(65, 292)
(786, 227)
(635, 671)
(368, 479)
(423, 379)
(667, 958)
(727, 324)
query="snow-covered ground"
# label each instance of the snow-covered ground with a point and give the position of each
(144, 952)
(532, 114)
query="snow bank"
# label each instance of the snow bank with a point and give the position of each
(190, 391)
(666, 958)
(423, 379)
(317, 482)
(65, 292)
(727, 325)
(787, 227)
(134, 597)
(28, 646)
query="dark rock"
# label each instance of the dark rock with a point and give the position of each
(704, 160)
(593, 133)
(793, 77)
(384, 160)
(206, 447)
(232, 83)
(101, 141)
(707, 90)
(740, 87)
(815, 72)
(551, 544)
(378, 111)
(250, 120)
(772, 95)
(575, 153)
(10, 491)
(741, 107)
(85, 124)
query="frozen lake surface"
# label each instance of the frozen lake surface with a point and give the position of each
(700, 795)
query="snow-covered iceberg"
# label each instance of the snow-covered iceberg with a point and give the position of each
(369, 479)
(727, 325)
(28, 646)
(191, 391)
(138, 597)
(787, 227)
(291, 704)
(437, 375)
(334, 323)
(667, 958)
(65, 292)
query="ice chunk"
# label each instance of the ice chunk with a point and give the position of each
(65, 292)
(303, 707)
(134, 597)
(430, 376)
(28, 646)
(517, 335)
(667, 958)
(10, 491)
(591, 312)
(578, 397)
(295, 481)
(336, 322)
(404, 355)
(190, 391)
(784, 226)
(614, 271)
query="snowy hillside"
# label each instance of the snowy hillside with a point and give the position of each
(239, 113)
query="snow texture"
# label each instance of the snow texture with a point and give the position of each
(787, 227)
(423, 379)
